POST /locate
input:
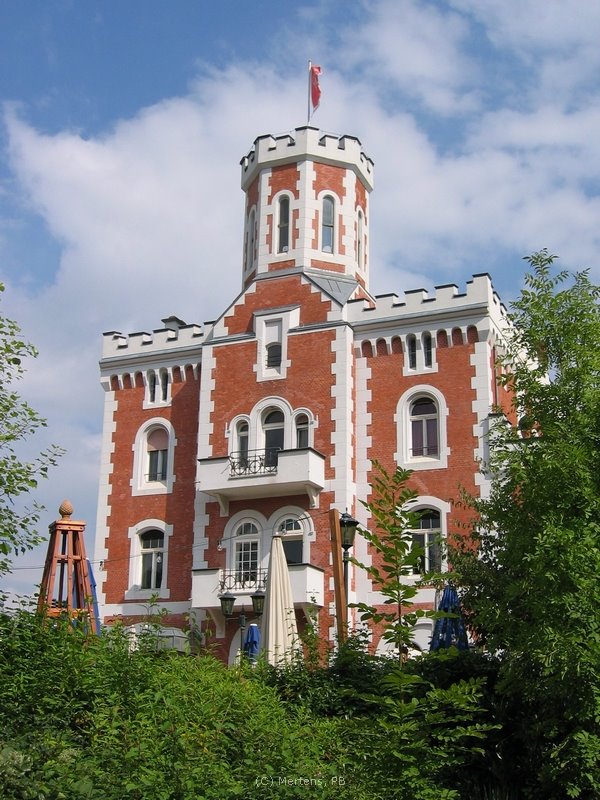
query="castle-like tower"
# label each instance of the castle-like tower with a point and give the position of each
(217, 436)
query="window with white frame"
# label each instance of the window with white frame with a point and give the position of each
(250, 240)
(420, 353)
(283, 224)
(152, 386)
(292, 539)
(158, 388)
(157, 443)
(411, 350)
(272, 334)
(421, 419)
(427, 537)
(272, 345)
(424, 428)
(327, 224)
(152, 545)
(360, 236)
(274, 435)
(153, 458)
(246, 553)
(302, 431)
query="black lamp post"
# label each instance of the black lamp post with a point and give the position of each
(348, 526)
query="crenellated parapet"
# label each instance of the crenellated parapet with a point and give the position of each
(162, 340)
(306, 143)
(446, 300)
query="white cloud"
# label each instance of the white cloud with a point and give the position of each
(149, 214)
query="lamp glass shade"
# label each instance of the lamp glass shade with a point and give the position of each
(227, 600)
(258, 602)
(348, 526)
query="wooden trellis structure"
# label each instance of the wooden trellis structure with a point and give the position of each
(66, 589)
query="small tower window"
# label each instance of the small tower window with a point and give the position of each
(284, 225)
(427, 349)
(250, 240)
(411, 347)
(152, 387)
(327, 225)
(359, 240)
(164, 385)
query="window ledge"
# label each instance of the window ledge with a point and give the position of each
(135, 593)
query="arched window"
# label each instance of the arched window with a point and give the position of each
(427, 349)
(152, 545)
(424, 428)
(292, 539)
(359, 239)
(152, 387)
(242, 443)
(250, 240)
(246, 553)
(302, 430)
(427, 538)
(273, 429)
(283, 225)
(164, 385)
(157, 443)
(327, 226)
(411, 347)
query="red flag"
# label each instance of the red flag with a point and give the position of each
(315, 89)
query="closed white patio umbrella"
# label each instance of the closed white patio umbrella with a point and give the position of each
(279, 636)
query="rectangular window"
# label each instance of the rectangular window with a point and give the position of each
(157, 466)
(246, 561)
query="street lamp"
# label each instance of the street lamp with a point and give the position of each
(227, 600)
(348, 526)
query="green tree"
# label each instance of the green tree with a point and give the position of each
(532, 588)
(395, 556)
(18, 421)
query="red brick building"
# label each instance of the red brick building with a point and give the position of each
(218, 435)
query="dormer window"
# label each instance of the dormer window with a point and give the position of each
(327, 224)
(283, 225)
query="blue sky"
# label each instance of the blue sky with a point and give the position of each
(123, 123)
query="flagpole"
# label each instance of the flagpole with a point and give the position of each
(309, 77)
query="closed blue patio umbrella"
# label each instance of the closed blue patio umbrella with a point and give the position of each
(252, 642)
(449, 631)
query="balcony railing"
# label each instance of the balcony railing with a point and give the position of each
(254, 462)
(234, 579)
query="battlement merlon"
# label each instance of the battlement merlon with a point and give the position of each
(307, 143)
(480, 293)
(163, 340)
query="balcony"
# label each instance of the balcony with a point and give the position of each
(263, 473)
(307, 582)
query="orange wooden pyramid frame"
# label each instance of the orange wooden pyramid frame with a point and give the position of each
(66, 588)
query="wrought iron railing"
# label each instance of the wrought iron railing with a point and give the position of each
(243, 579)
(254, 462)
